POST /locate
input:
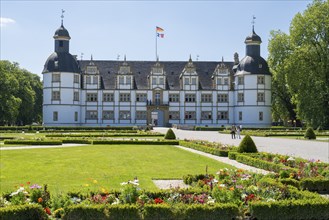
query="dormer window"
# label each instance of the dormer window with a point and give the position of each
(193, 81)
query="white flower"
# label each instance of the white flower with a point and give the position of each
(215, 181)
(290, 159)
(123, 183)
(222, 185)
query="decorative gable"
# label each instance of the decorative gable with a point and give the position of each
(189, 79)
(125, 77)
(157, 77)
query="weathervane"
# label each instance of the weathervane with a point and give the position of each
(253, 21)
(62, 16)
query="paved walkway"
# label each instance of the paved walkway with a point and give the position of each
(316, 150)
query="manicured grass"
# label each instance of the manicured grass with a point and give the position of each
(71, 169)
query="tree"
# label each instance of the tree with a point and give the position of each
(306, 64)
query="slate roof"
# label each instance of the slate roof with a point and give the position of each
(61, 62)
(141, 69)
(253, 65)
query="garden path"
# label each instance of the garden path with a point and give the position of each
(307, 149)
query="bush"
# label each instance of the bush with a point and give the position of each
(26, 212)
(83, 212)
(222, 152)
(316, 184)
(121, 212)
(247, 145)
(309, 134)
(158, 212)
(33, 142)
(170, 135)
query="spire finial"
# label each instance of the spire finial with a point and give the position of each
(91, 57)
(125, 58)
(62, 16)
(222, 59)
(190, 60)
(253, 22)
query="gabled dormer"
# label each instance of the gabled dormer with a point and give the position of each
(91, 76)
(189, 79)
(157, 77)
(221, 76)
(125, 77)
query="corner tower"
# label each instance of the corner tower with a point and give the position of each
(252, 86)
(61, 84)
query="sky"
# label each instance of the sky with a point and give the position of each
(109, 30)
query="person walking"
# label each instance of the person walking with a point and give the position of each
(238, 130)
(233, 132)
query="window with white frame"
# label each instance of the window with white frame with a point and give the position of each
(154, 80)
(108, 115)
(186, 81)
(222, 115)
(222, 98)
(95, 80)
(260, 79)
(56, 95)
(240, 80)
(206, 115)
(225, 81)
(75, 96)
(91, 115)
(56, 77)
(261, 116)
(108, 97)
(161, 80)
(240, 97)
(190, 115)
(173, 97)
(55, 116)
(260, 97)
(128, 80)
(206, 97)
(125, 97)
(124, 115)
(88, 79)
(121, 80)
(219, 80)
(76, 116)
(193, 81)
(240, 116)
(189, 97)
(141, 97)
(92, 97)
(76, 78)
(140, 115)
(174, 115)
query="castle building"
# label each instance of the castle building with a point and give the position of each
(161, 93)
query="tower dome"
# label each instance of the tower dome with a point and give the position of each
(61, 32)
(253, 38)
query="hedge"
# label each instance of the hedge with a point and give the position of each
(105, 135)
(319, 184)
(83, 212)
(162, 142)
(33, 142)
(206, 149)
(76, 141)
(198, 128)
(26, 212)
(29, 127)
(290, 209)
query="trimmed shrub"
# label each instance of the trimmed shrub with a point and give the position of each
(83, 212)
(315, 184)
(158, 212)
(309, 134)
(170, 135)
(123, 212)
(76, 141)
(168, 142)
(217, 211)
(247, 145)
(207, 149)
(27, 212)
(33, 142)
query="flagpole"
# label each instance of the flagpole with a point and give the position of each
(156, 44)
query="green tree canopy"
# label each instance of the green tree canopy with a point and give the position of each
(300, 64)
(20, 95)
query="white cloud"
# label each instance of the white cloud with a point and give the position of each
(6, 21)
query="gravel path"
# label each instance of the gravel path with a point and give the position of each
(168, 184)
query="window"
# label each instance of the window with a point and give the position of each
(260, 116)
(193, 81)
(186, 81)
(91, 97)
(161, 81)
(61, 43)
(141, 115)
(173, 97)
(95, 80)
(240, 80)
(240, 97)
(108, 97)
(55, 77)
(140, 97)
(189, 97)
(75, 116)
(124, 115)
(260, 97)
(260, 80)
(240, 116)
(174, 115)
(108, 115)
(91, 115)
(124, 97)
(128, 80)
(76, 79)
(76, 96)
(154, 80)
(219, 80)
(206, 115)
(190, 115)
(55, 116)
(222, 115)
(225, 81)
(56, 95)
(222, 98)
(121, 80)
(206, 97)
(88, 79)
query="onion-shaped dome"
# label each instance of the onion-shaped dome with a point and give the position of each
(253, 37)
(61, 62)
(62, 32)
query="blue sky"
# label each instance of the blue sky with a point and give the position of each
(208, 30)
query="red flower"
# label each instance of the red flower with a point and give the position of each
(47, 210)
(28, 183)
(158, 201)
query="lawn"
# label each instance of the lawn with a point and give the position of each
(101, 166)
